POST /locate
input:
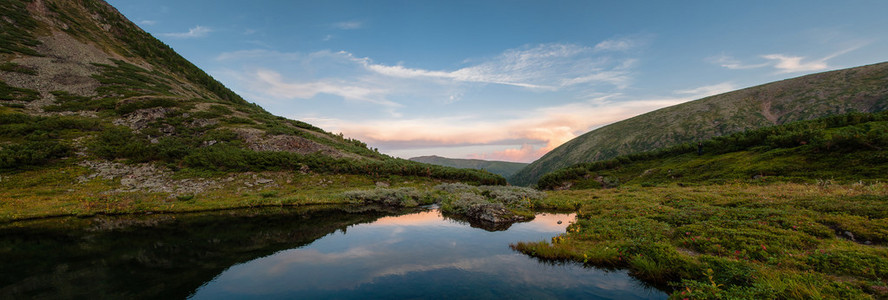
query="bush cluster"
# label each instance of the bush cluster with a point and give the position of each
(460, 197)
(36, 139)
(402, 197)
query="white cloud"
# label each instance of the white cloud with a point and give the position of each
(148, 22)
(541, 67)
(616, 44)
(784, 63)
(709, 90)
(196, 32)
(729, 62)
(349, 25)
(273, 84)
(794, 64)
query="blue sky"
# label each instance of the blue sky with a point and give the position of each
(503, 80)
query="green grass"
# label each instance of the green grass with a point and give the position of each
(735, 240)
(44, 192)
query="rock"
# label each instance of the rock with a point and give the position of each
(263, 181)
(140, 119)
(849, 235)
(145, 177)
(382, 184)
(493, 213)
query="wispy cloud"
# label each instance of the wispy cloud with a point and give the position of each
(729, 62)
(618, 44)
(148, 22)
(348, 25)
(273, 84)
(543, 67)
(709, 90)
(783, 63)
(195, 32)
(794, 64)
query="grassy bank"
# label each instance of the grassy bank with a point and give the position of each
(735, 240)
(62, 192)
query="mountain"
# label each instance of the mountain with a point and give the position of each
(503, 168)
(860, 89)
(840, 148)
(87, 93)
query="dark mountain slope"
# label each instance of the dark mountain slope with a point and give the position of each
(860, 89)
(503, 168)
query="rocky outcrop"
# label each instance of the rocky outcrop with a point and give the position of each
(147, 177)
(493, 213)
(257, 140)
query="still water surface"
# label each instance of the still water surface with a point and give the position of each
(315, 252)
(422, 255)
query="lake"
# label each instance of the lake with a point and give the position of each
(318, 252)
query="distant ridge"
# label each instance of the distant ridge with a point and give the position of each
(860, 89)
(503, 168)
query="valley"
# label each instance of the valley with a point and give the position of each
(130, 172)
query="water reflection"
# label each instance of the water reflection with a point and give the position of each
(157, 256)
(421, 255)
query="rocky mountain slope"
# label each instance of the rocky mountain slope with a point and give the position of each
(860, 89)
(503, 168)
(80, 85)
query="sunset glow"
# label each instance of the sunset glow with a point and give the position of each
(499, 81)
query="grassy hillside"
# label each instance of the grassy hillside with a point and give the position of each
(861, 89)
(502, 168)
(846, 147)
(97, 106)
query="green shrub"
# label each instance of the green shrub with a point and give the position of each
(69, 102)
(13, 93)
(401, 197)
(14, 67)
(32, 153)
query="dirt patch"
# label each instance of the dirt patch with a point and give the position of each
(766, 112)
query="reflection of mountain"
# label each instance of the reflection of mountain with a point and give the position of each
(157, 257)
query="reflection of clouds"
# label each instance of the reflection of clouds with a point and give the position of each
(549, 222)
(426, 218)
(401, 247)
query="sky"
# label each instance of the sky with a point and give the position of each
(502, 80)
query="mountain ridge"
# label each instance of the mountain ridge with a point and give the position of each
(860, 89)
(503, 168)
